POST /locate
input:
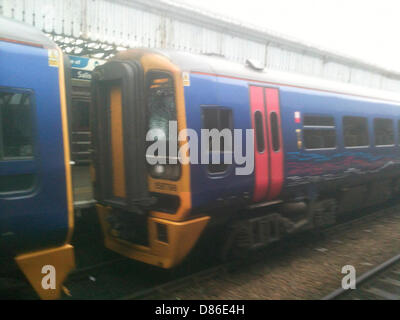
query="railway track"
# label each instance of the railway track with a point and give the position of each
(177, 284)
(124, 279)
(218, 270)
(379, 283)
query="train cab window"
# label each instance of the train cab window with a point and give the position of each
(319, 132)
(16, 141)
(355, 132)
(161, 108)
(161, 104)
(220, 119)
(384, 132)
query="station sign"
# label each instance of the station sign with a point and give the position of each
(82, 67)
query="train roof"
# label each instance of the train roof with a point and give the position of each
(223, 67)
(18, 31)
(215, 65)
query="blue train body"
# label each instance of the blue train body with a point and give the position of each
(304, 165)
(36, 215)
(305, 170)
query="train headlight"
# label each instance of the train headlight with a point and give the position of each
(167, 172)
(158, 170)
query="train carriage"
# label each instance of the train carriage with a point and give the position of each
(320, 149)
(36, 210)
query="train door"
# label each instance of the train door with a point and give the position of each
(268, 151)
(118, 127)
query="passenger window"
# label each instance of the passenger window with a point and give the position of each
(318, 121)
(16, 138)
(16, 183)
(355, 132)
(384, 132)
(220, 119)
(319, 132)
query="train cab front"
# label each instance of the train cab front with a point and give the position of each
(142, 189)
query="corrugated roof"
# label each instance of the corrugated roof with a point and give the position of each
(167, 24)
(258, 33)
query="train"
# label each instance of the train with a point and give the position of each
(36, 202)
(320, 149)
(303, 152)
